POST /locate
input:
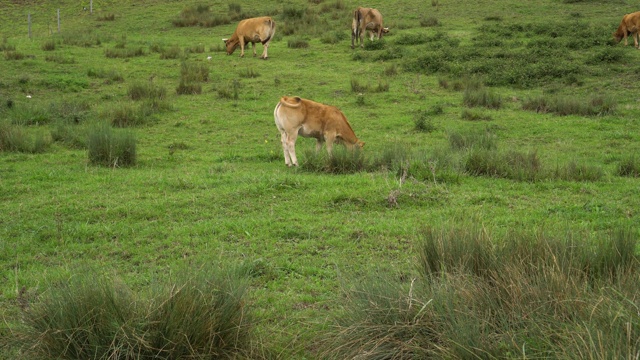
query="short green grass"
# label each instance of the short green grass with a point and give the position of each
(209, 181)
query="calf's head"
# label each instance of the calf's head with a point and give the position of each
(231, 45)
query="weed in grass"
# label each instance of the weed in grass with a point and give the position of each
(111, 148)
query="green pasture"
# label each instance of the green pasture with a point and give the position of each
(208, 187)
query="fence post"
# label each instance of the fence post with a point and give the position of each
(90, 6)
(29, 21)
(58, 21)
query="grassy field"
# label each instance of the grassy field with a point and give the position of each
(209, 187)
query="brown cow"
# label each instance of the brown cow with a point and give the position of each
(260, 29)
(630, 25)
(366, 19)
(295, 116)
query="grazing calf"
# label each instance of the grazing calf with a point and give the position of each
(295, 116)
(630, 25)
(260, 29)
(366, 19)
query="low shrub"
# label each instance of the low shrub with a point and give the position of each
(111, 148)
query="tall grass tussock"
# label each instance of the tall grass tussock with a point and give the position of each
(92, 316)
(111, 148)
(481, 295)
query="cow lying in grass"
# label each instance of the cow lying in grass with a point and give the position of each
(295, 116)
(366, 19)
(630, 25)
(260, 29)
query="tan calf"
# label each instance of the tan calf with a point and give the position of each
(366, 19)
(295, 116)
(260, 29)
(630, 25)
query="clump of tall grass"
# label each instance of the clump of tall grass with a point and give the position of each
(141, 90)
(630, 166)
(90, 316)
(513, 165)
(48, 45)
(574, 171)
(422, 119)
(187, 88)
(124, 53)
(81, 38)
(484, 139)
(70, 135)
(60, 59)
(194, 72)
(481, 96)
(199, 15)
(249, 73)
(14, 55)
(111, 148)
(172, 52)
(229, 91)
(376, 44)
(333, 37)
(473, 115)
(14, 139)
(598, 105)
(110, 76)
(358, 87)
(5, 46)
(106, 17)
(297, 43)
(341, 161)
(518, 295)
(429, 21)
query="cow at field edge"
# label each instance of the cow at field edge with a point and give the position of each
(630, 25)
(260, 29)
(296, 116)
(366, 19)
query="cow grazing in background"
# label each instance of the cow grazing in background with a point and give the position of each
(295, 116)
(260, 29)
(630, 25)
(366, 19)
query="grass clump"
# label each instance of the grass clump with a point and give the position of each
(124, 53)
(14, 139)
(513, 165)
(111, 148)
(422, 119)
(481, 96)
(630, 166)
(146, 90)
(598, 105)
(479, 295)
(297, 43)
(199, 15)
(194, 72)
(109, 76)
(484, 139)
(91, 316)
(48, 45)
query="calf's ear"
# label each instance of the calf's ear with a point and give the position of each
(225, 40)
